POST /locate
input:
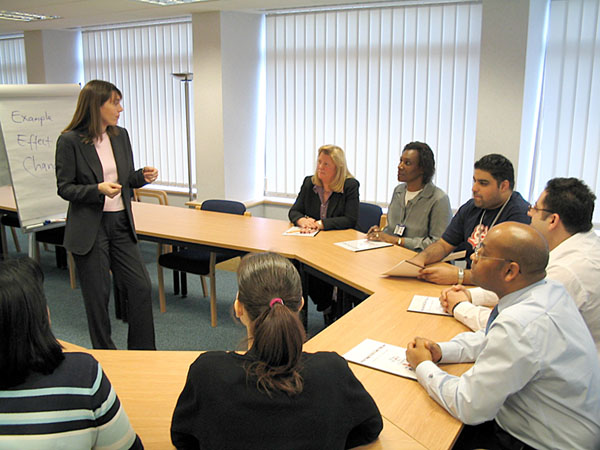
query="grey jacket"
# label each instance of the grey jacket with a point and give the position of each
(425, 217)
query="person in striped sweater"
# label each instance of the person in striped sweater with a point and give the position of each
(50, 399)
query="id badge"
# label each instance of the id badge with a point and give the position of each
(399, 230)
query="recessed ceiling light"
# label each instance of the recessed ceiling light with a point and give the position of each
(171, 2)
(24, 17)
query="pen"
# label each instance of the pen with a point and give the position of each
(415, 264)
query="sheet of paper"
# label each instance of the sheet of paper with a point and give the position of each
(403, 269)
(362, 244)
(381, 356)
(295, 231)
(455, 255)
(428, 305)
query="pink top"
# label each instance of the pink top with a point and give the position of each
(109, 171)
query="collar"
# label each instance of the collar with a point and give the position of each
(428, 189)
(514, 297)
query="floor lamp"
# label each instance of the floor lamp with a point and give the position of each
(185, 78)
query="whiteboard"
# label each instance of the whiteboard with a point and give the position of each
(32, 117)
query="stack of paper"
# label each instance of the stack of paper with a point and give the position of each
(428, 305)
(362, 244)
(297, 231)
(381, 356)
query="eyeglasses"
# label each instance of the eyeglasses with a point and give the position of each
(535, 208)
(477, 254)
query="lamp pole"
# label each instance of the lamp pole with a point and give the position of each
(185, 78)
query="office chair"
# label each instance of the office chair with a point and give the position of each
(368, 215)
(9, 219)
(53, 236)
(200, 261)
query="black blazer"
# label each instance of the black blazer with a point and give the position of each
(342, 210)
(78, 173)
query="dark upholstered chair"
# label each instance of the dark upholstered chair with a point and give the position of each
(200, 261)
(368, 215)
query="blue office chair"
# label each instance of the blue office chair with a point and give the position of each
(368, 215)
(199, 261)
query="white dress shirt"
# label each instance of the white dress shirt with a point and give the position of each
(536, 372)
(575, 262)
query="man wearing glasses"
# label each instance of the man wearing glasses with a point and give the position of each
(563, 215)
(493, 202)
(535, 381)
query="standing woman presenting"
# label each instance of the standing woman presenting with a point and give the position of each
(96, 175)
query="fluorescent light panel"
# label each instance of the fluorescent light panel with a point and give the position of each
(170, 2)
(24, 17)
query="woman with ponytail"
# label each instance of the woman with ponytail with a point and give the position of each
(275, 395)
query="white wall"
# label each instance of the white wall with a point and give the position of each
(53, 56)
(501, 78)
(241, 69)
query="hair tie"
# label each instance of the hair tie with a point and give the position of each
(275, 300)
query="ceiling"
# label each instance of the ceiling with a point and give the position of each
(77, 13)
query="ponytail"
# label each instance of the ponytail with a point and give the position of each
(271, 292)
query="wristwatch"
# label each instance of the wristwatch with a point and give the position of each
(461, 275)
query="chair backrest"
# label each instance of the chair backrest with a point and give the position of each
(383, 221)
(224, 206)
(161, 196)
(368, 215)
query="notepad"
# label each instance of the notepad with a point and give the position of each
(427, 305)
(362, 244)
(381, 356)
(296, 231)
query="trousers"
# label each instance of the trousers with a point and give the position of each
(115, 250)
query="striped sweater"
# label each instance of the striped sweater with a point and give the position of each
(75, 407)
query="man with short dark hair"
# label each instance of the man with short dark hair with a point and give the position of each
(493, 202)
(563, 215)
(535, 381)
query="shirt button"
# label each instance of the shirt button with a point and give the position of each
(430, 376)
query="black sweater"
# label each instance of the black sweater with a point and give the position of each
(220, 408)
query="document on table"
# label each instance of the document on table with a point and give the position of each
(407, 268)
(296, 231)
(381, 356)
(362, 244)
(428, 305)
(404, 268)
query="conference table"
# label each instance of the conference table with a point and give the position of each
(383, 316)
(149, 383)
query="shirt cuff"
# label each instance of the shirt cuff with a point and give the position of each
(450, 352)
(425, 371)
(461, 309)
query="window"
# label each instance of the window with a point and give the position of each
(371, 80)
(12, 60)
(568, 136)
(140, 59)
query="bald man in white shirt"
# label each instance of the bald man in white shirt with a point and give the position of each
(535, 381)
(563, 215)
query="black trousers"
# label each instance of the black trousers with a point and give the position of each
(115, 250)
(488, 435)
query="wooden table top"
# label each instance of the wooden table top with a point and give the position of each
(7, 199)
(383, 316)
(411, 419)
(149, 395)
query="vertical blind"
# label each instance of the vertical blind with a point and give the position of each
(139, 59)
(568, 133)
(370, 81)
(12, 60)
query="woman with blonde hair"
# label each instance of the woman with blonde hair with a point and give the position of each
(275, 395)
(328, 200)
